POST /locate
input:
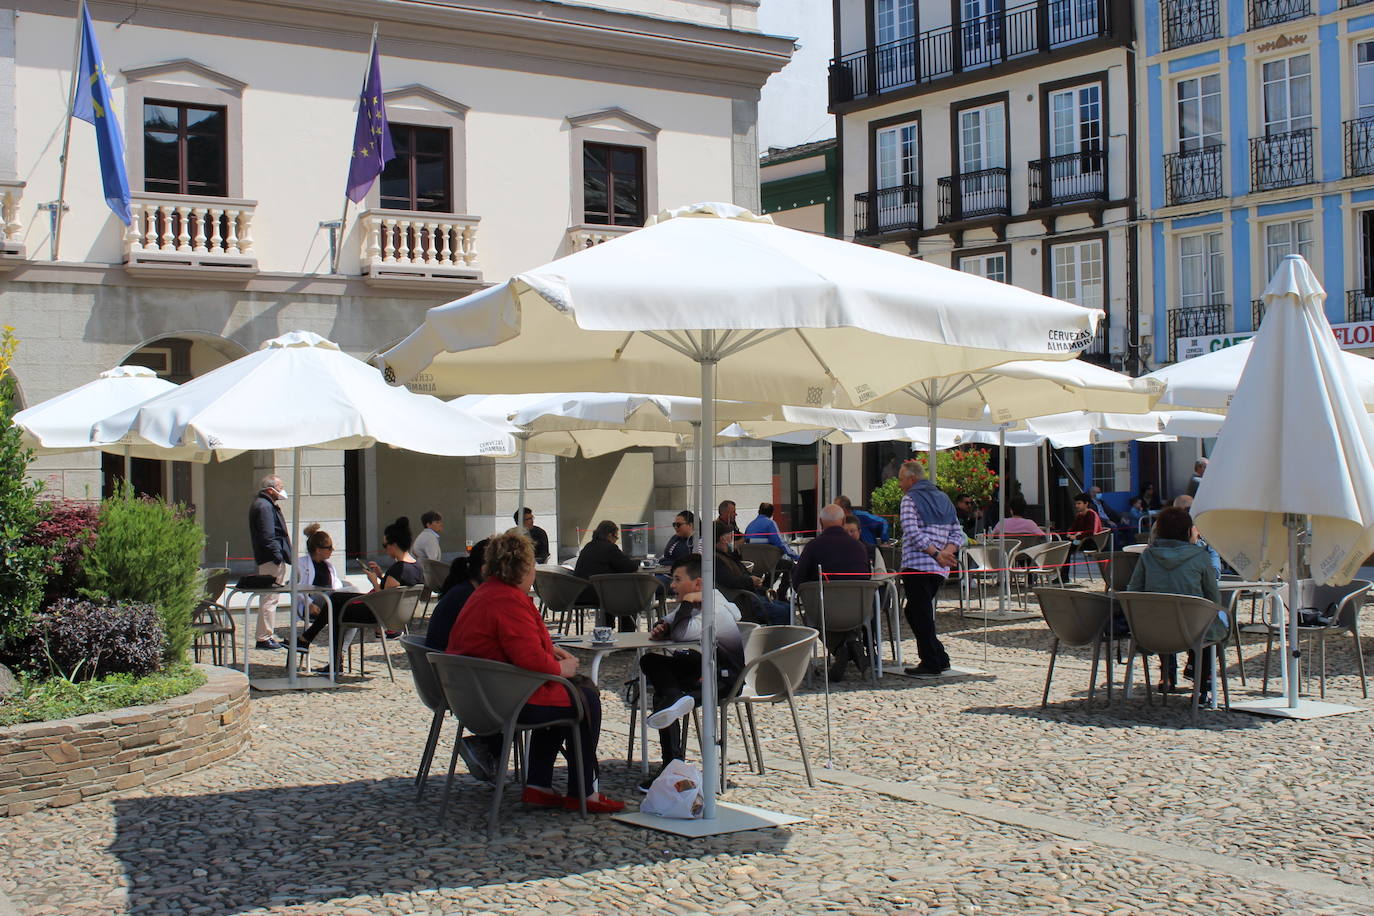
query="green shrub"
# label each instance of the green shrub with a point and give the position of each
(57, 698)
(23, 563)
(886, 500)
(963, 470)
(147, 552)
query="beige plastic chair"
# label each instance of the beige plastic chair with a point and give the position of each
(982, 564)
(392, 609)
(436, 574)
(776, 660)
(212, 625)
(1077, 618)
(765, 558)
(1042, 561)
(1166, 624)
(560, 593)
(1342, 603)
(486, 698)
(627, 595)
(849, 607)
(432, 695)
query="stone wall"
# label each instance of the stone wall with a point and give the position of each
(52, 764)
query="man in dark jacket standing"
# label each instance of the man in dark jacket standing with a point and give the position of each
(271, 551)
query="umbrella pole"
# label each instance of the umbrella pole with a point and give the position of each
(694, 479)
(710, 753)
(1292, 647)
(1003, 578)
(1045, 497)
(931, 451)
(291, 654)
(128, 466)
(524, 439)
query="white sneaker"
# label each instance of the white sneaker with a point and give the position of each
(670, 714)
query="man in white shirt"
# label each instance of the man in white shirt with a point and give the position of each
(426, 545)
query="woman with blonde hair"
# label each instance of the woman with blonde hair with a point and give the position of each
(500, 622)
(316, 569)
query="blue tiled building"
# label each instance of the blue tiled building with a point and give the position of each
(1257, 140)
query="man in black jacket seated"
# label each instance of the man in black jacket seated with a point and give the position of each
(835, 554)
(602, 556)
(271, 551)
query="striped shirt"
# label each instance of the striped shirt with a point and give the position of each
(918, 537)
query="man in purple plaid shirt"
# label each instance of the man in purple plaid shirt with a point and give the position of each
(931, 538)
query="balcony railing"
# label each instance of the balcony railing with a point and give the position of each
(1193, 175)
(1354, 2)
(1359, 305)
(1281, 160)
(1256, 313)
(11, 229)
(1098, 351)
(1188, 22)
(185, 232)
(885, 210)
(1195, 321)
(974, 194)
(1269, 12)
(1019, 31)
(1359, 147)
(586, 235)
(1068, 179)
(412, 245)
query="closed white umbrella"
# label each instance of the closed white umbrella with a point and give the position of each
(63, 423)
(712, 293)
(1208, 382)
(296, 391)
(1298, 451)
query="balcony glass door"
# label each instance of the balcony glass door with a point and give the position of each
(1283, 239)
(1199, 112)
(1072, 20)
(989, 266)
(981, 29)
(1287, 95)
(1076, 142)
(1364, 79)
(895, 22)
(982, 160)
(898, 176)
(1201, 270)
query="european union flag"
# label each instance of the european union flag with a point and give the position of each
(372, 148)
(93, 104)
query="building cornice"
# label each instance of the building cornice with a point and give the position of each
(596, 43)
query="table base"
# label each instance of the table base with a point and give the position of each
(271, 684)
(1306, 709)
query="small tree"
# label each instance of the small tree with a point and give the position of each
(23, 563)
(886, 500)
(963, 470)
(147, 552)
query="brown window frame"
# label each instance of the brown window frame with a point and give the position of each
(609, 217)
(183, 184)
(411, 157)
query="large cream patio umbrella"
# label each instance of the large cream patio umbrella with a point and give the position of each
(296, 391)
(1298, 451)
(712, 293)
(63, 423)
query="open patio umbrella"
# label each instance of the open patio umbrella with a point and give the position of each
(296, 391)
(1298, 451)
(63, 423)
(1208, 382)
(712, 293)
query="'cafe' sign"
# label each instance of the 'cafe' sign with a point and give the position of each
(1354, 336)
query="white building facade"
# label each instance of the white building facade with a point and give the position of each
(523, 131)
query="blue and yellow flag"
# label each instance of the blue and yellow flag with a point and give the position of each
(93, 104)
(372, 148)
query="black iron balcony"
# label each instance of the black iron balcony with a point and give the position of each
(1256, 313)
(1359, 147)
(1098, 351)
(1269, 12)
(1354, 2)
(974, 194)
(1193, 175)
(1016, 32)
(887, 210)
(1068, 179)
(1359, 305)
(1188, 22)
(1196, 321)
(1281, 160)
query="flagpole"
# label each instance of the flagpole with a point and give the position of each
(343, 218)
(67, 133)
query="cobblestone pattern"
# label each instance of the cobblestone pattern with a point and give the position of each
(54, 764)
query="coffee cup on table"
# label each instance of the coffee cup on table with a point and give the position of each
(603, 634)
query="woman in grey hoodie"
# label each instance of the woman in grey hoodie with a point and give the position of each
(1174, 564)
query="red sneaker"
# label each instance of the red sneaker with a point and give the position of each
(596, 804)
(541, 798)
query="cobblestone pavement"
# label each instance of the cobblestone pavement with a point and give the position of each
(952, 797)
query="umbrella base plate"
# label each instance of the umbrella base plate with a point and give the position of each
(272, 684)
(729, 819)
(1306, 709)
(998, 616)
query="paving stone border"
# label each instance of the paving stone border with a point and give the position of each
(61, 762)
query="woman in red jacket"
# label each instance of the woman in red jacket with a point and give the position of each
(501, 623)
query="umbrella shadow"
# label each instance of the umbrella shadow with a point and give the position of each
(1133, 713)
(231, 852)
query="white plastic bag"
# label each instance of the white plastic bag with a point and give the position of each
(676, 792)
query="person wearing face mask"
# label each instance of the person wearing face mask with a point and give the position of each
(271, 551)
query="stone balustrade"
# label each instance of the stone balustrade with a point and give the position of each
(407, 246)
(586, 235)
(185, 233)
(11, 243)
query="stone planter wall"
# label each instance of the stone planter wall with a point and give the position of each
(50, 764)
